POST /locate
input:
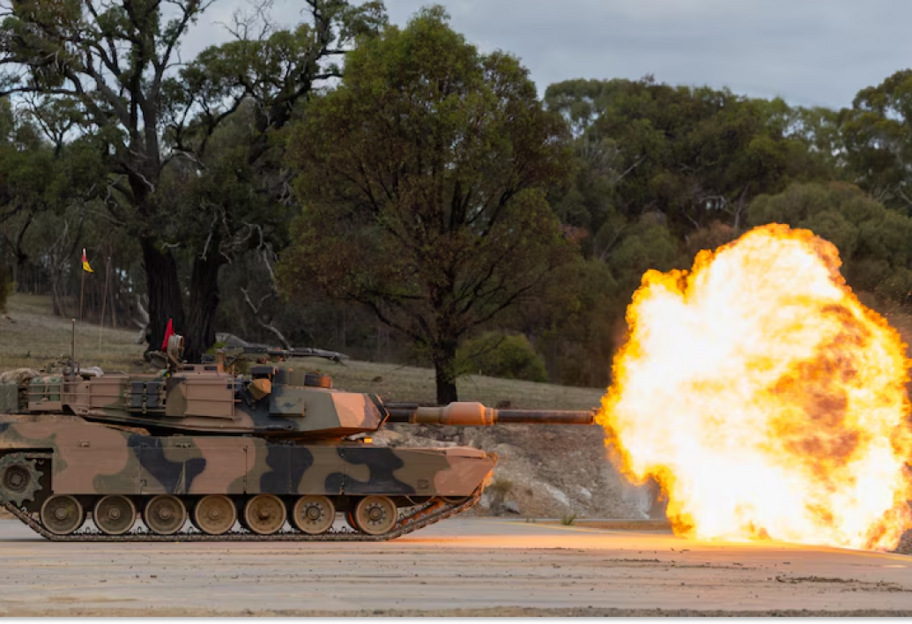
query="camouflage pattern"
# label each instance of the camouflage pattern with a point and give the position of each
(202, 444)
(202, 398)
(91, 458)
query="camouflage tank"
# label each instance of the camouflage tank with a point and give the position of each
(196, 452)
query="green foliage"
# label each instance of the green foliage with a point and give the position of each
(877, 139)
(510, 356)
(575, 321)
(647, 244)
(501, 486)
(436, 191)
(430, 208)
(874, 242)
(114, 75)
(693, 155)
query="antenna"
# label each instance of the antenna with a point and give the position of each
(73, 348)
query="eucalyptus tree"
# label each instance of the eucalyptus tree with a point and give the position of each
(120, 62)
(423, 178)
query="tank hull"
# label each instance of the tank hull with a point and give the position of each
(65, 456)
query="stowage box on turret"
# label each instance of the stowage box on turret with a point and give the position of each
(272, 455)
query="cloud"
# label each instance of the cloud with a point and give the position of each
(810, 52)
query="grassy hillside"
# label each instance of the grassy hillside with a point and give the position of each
(30, 336)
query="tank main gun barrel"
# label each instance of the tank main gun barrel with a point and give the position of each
(476, 414)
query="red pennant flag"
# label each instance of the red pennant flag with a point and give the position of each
(168, 333)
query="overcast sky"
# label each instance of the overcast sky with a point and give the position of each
(809, 52)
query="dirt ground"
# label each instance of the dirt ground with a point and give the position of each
(515, 612)
(460, 567)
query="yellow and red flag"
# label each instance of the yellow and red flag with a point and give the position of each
(85, 262)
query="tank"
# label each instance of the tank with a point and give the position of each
(199, 453)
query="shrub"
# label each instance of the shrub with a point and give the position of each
(509, 356)
(500, 487)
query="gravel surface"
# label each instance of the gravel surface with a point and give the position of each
(491, 612)
(461, 567)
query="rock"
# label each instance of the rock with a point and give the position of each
(506, 450)
(511, 507)
(555, 493)
(387, 438)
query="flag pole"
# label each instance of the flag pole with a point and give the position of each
(85, 269)
(104, 299)
(82, 282)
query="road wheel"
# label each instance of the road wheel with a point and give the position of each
(62, 514)
(114, 514)
(215, 514)
(376, 515)
(264, 514)
(165, 514)
(313, 514)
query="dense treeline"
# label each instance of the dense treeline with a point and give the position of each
(395, 194)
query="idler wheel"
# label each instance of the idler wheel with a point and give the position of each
(454, 500)
(376, 515)
(114, 514)
(313, 514)
(215, 514)
(165, 514)
(264, 514)
(18, 479)
(62, 514)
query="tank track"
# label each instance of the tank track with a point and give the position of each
(418, 518)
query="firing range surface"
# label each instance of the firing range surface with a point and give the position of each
(473, 566)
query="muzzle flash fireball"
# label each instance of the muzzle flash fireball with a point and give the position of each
(765, 398)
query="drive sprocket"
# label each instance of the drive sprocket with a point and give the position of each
(19, 478)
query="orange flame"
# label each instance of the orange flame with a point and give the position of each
(765, 398)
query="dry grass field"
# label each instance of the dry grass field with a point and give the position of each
(30, 336)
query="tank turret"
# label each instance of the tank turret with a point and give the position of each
(269, 402)
(275, 453)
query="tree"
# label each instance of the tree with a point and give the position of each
(46, 185)
(262, 75)
(696, 155)
(874, 242)
(878, 140)
(422, 176)
(118, 60)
